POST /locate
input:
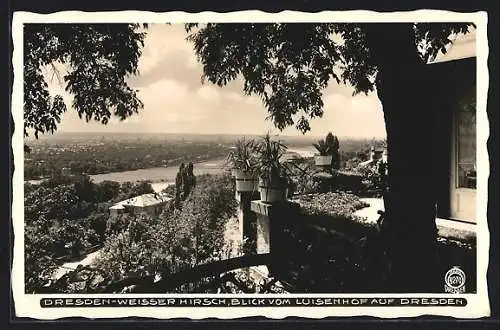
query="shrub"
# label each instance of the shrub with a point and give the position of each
(177, 239)
(301, 175)
(353, 163)
(373, 182)
(61, 220)
(185, 181)
(335, 204)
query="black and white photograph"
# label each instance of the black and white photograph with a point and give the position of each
(285, 164)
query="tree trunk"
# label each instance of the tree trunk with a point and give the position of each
(409, 229)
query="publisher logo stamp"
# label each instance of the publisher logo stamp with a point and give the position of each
(454, 280)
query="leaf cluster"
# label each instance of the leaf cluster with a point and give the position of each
(269, 156)
(288, 65)
(65, 216)
(242, 156)
(329, 146)
(97, 59)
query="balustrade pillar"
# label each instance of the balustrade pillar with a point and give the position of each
(247, 220)
(271, 220)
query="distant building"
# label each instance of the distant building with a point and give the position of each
(375, 155)
(378, 153)
(151, 204)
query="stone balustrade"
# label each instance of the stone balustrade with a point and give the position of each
(295, 240)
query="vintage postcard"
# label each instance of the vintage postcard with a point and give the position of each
(223, 165)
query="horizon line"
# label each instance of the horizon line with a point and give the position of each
(206, 134)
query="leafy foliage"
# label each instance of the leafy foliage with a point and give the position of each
(98, 58)
(132, 189)
(55, 227)
(65, 216)
(322, 147)
(352, 163)
(269, 156)
(185, 181)
(332, 141)
(175, 240)
(329, 146)
(126, 251)
(289, 65)
(39, 263)
(188, 180)
(301, 173)
(434, 37)
(374, 178)
(242, 156)
(337, 205)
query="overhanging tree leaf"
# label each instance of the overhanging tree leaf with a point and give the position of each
(98, 58)
(289, 65)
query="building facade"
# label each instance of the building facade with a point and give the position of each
(148, 204)
(455, 100)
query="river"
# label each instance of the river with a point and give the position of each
(305, 152)
(161, 177)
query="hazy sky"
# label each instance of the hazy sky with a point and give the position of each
(175, 101)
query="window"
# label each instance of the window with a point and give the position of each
(466, 141)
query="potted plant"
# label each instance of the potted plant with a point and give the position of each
(273, 174)
(328, 151)
(323, 158)
(243, 165)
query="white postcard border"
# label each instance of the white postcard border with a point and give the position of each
(27, 305)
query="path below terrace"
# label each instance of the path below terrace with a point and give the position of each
(232, 237)
(376, 204)
(72, 265)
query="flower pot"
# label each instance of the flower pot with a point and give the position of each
(245, 181)
(323, 160)
(271, 192)
(234, 171)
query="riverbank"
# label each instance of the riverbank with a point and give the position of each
(160, 176)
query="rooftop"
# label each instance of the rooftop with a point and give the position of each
(142, 201)
(463, 46)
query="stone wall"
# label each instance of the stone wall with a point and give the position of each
(322, 254)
